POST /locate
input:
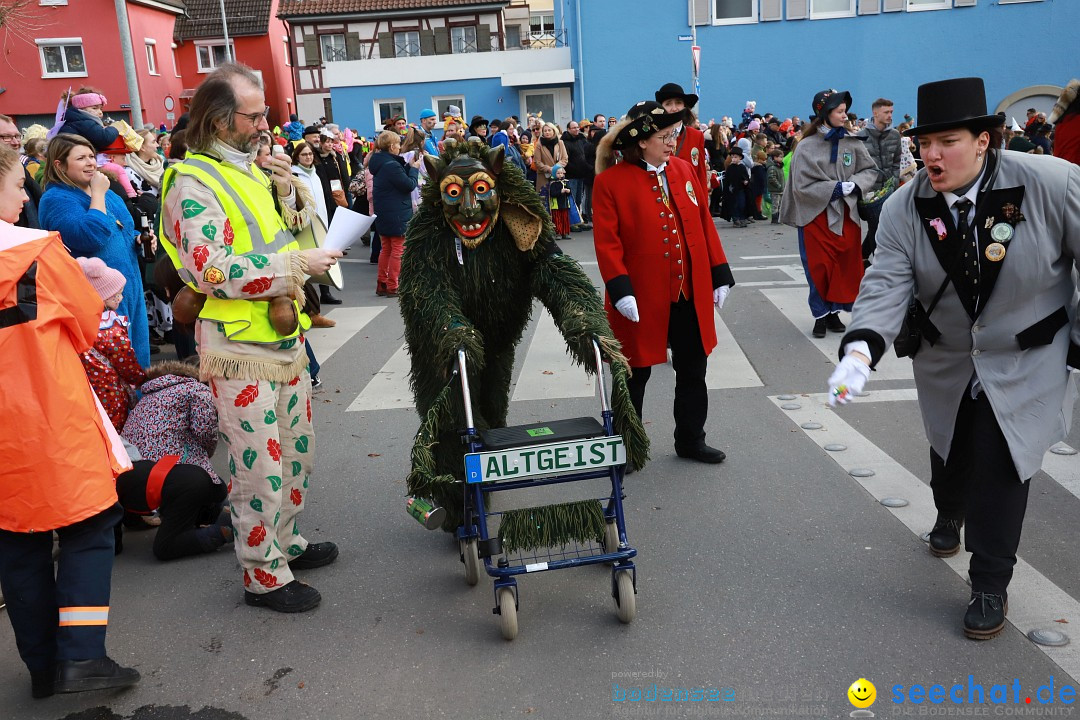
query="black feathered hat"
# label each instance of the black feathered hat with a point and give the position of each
(643, 120)
(948, 104)
(828, 100)
(674, 90)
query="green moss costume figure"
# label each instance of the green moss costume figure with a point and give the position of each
(479, 249)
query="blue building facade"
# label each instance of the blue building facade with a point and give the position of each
(622, 50)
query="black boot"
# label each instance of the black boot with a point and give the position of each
(701, 453)
(945, 537)
(832, 321)
(819, 328)
(326, 298)
(41, 683)
(985, 616)
(293, 598)
(74, 676)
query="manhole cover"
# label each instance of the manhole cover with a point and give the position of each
(1053, 638)
(861, 472)
(835, 447)
(894, 502)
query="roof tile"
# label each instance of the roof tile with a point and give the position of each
(294, 8)
(203, 18)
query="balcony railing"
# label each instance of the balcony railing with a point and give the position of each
(542, 40)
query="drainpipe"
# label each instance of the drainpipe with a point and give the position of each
(129, 63)
(580, 57)
(225, 31)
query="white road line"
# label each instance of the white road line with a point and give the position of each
(728, 365)
(767, 257)
(350, 320)
(1034, 601)
(548, 371)
(389, 388)
(792, 303)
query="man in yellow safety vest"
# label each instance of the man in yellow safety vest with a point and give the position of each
(222, 227)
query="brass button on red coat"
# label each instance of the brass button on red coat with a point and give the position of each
(676, 246)
(666, 254)
(678, 262)
(680, 277)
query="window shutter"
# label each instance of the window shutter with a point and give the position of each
(772, 10)
(797, 9)
(701, 14)
(427, 42)
(352, 46)
(965, 3)
(893, 6)
(483, 38)
(311, 51)
(869, 7)
(386, 45)
(442, 41)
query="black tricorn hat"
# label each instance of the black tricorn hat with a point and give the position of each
(643, 120)
(674, 90)
(948, 104)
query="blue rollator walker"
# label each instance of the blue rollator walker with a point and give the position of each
(534, 455)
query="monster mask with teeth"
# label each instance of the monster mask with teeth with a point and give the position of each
(469, 198)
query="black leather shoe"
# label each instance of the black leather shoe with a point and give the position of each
(74, 676)
(701, 453)
(945, 537)
(327, 299)
(316, 555)
(985, 616)
(820, 328)
(832, 321)
(41, 683)
(293, 598)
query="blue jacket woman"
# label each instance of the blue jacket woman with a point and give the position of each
(392, 192)
(109, 235)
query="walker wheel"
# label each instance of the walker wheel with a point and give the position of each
(507, 606)
(471, 559)
(625, 596)
(611, 536)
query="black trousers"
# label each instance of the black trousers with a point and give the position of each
(36, 596)
(689, 361)
(869, 243)
(979, 485)
(189, 498)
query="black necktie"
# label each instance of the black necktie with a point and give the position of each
(970, 244)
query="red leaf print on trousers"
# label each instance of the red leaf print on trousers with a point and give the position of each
(296, 497)
(176, 232)
(295, 380)
(256, 536)
(227, 235)
(266, 579)
(200, 254)
(247, 579)
(274, 448)
(213, 387)
(258, 286)
(309, 409)
(247, 395)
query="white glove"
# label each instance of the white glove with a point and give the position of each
(848, 380)
(627, 307)
(719, 295)
(847, 187)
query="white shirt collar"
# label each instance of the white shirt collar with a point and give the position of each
(233, 156)
(971, 194)
(654, 169)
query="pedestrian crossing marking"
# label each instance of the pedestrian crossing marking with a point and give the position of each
(389, 388)
(1034, 601)
(792, 303)
(728, 365)
(350, 320)
(548, 371)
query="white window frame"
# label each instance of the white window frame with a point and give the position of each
(202, 69)
(408, 41)
(52, 2)
(43, 43)
(175, 67)
(463, 29)
(1015, 2)
(829, 15)
(378, 116)
(933, 5)
(458, 100)
(543, 28)
(333, 46)
(751, 19)
(288, 53)
(151, 56)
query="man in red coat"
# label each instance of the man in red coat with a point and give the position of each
(689, 141)
(662, 264)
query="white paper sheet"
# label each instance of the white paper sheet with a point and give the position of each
(346, 228)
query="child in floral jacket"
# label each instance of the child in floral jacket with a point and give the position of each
(111, 365)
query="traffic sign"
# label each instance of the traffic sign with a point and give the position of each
(686, 38)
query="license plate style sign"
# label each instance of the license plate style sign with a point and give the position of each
(563, 457)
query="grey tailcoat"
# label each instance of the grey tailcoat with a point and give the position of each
(1024, 330)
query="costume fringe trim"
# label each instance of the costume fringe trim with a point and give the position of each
(298, 275)
(212, 365)
(552, 526)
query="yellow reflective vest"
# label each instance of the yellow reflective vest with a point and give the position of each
(248, 202)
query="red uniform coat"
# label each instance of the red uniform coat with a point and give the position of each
(638, 248)
(691, 148)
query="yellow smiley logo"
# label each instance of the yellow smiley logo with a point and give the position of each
(862, 693)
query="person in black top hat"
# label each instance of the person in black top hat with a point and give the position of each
(689, 141)
(988, 241)
(662, 264)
